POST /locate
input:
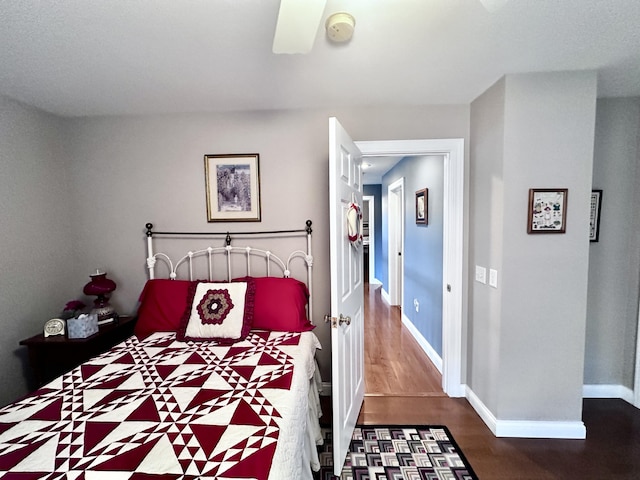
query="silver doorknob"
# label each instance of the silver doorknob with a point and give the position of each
(337, 321)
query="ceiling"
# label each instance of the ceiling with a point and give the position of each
(374, 168)
(110, 57)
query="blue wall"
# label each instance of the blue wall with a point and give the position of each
(422, 243)
(376, 192)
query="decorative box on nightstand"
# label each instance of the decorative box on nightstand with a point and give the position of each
(50, 357)
(82, 326)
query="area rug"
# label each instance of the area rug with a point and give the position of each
(395, 452)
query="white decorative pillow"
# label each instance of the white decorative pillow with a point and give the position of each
(221, 312)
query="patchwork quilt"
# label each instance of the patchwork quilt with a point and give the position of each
(159, 408)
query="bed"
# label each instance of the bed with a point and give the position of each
(219, 381)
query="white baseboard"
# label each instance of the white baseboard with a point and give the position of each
(608, 391)
(526, 428)
(424, 344)
(385, 296)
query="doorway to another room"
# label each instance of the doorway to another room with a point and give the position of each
(447, 355)
(395, 364)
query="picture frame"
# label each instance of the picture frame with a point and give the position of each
(233, 187)
(594, 220)
(547, 210)
(422, 206)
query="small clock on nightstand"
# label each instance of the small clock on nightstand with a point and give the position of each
(55, 326)
(52, 353)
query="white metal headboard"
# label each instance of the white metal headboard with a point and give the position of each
(272, 263)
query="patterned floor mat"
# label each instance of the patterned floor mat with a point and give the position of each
(395, 452)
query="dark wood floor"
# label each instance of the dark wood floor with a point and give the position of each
(611, 450)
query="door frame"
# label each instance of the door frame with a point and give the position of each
(454, 285)
(395, 243)
(636, 377)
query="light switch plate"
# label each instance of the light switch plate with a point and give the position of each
(481, 274)
(493, 278)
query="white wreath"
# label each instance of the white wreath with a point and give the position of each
(354, 224)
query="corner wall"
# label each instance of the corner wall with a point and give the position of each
(614, 261)
(527, 366)
(38, 257)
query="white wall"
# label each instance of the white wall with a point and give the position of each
(36, 235)
(614, 261)
(530, 362)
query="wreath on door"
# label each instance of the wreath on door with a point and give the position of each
(354, 224)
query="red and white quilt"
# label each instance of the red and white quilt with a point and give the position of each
(159, 408)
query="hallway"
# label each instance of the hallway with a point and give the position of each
(395, 364)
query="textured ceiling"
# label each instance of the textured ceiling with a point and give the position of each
(103, 57)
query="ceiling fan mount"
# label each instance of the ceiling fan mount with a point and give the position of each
(298, 23)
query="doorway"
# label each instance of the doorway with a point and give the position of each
(452, 152)
(369, 243)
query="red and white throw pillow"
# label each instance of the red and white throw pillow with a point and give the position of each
(220, 312)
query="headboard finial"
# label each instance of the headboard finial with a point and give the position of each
(228, 239)
(149, 226)
(308, 222)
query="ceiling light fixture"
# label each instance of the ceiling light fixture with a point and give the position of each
(340, 27)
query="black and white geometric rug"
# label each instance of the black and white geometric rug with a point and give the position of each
(396, 452)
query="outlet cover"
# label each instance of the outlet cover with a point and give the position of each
(481, 274)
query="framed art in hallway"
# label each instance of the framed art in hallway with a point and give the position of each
(232, 187)
(547, 210)
(594, 214)
(422, 204)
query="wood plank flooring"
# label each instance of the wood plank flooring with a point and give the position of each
(394, 363)
(610, 452)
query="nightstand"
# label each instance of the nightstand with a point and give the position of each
(50, 357)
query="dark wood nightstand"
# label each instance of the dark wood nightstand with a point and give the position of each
(50, 357)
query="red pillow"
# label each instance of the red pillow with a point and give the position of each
(162, 304)
(279, 304)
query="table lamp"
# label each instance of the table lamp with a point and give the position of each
(101, 286)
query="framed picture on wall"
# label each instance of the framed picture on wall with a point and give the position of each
(547, 210)
(422, 204)
(594, 221)
(233, 187)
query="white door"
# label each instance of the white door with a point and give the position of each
(347, 291)
(395, 195)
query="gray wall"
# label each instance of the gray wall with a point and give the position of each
(486, 241)
(528, 364)
(37, 257)
(141, 169)
(614, 261)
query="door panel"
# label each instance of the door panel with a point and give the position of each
(347, 290)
